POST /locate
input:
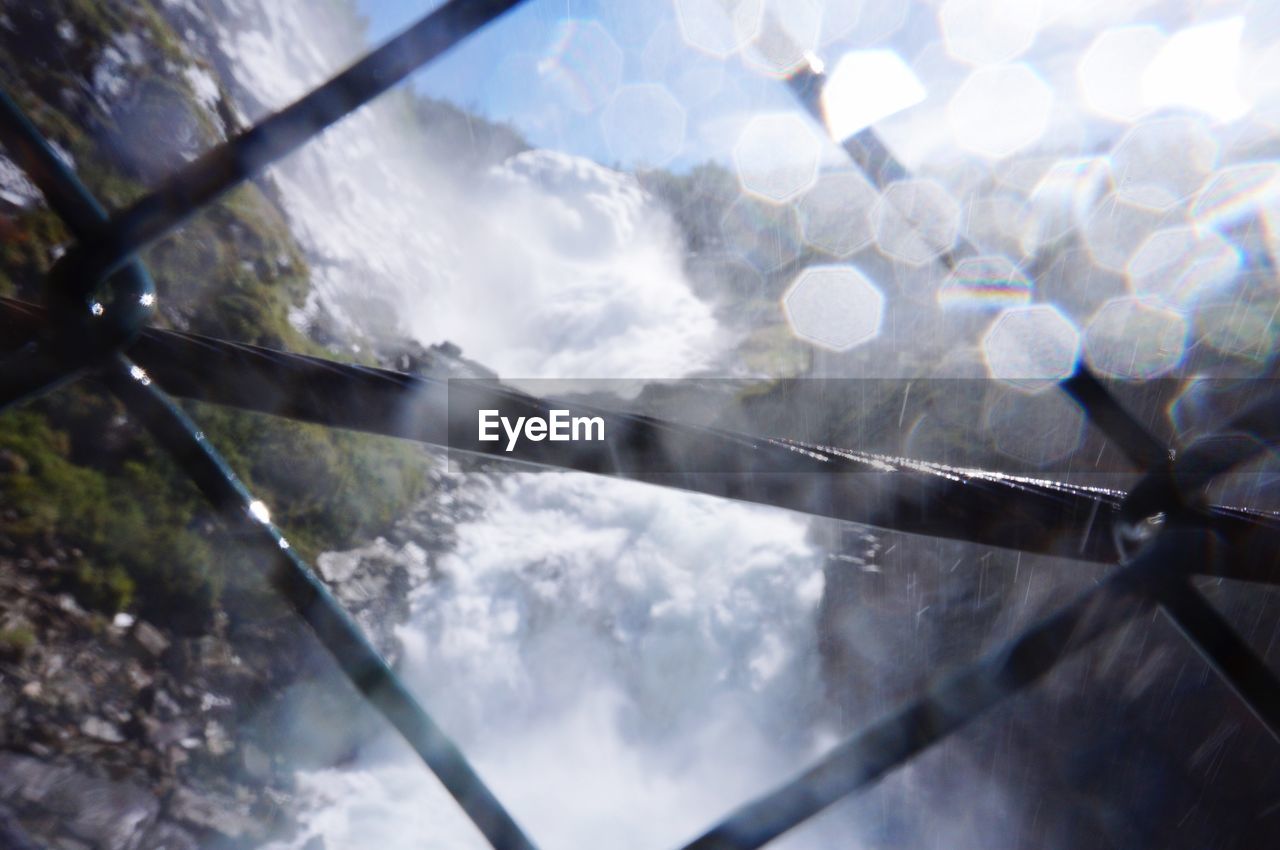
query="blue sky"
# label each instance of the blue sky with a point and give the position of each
(558, 70)
(547, 80)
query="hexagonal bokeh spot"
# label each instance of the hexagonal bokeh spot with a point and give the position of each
(849, 105)
(788, 36)
(1037, 429)
(1110, 70)
(584, 63)
(1133, 338)
(777, 156)
(835, 307)
(999, 111)
(839, 20)
(983, 283)
(1075, 285)
(1062, 198)
(1031, 347)
(644, 124)
(877, 20)
(1241, 319)
(1203, 406)
(1198, 70)
(1177, 264)
(988, 32)
(1117, 227)
(662, 53)
(996, 222)
(1161, 163)
(835, 213)
(719, 27)
(915, 221)
(764, 235)
(1235, 194)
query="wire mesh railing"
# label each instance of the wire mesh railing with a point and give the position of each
(98, 297)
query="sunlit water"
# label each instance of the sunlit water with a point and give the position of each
(546, 265)
(621, 663)
(624, 663)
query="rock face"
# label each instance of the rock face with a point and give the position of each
(96, 811)
(113, 734)
(180, 729)
(120, 733)
(373, 581)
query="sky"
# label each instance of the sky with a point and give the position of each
(549, 68)
(620, 83)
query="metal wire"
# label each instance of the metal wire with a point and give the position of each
(1226, 652)
(68, 349)
(959, 698)
(317, 607)
(288, 573)
(1163, 492)
(911, 496)
(1176, 496)
(77, 273)
(977, 506)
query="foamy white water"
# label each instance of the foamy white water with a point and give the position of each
(621, 662)
(548, 266)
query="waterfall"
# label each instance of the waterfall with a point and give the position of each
(621, 662)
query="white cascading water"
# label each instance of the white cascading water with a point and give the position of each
(547, 266)
(622, 663)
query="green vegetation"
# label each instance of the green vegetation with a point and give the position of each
(233, 271)
(76, 473)
(150, 541)
(15, 641)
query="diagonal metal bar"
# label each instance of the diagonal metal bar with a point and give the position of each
(857, 488)
(309, 597)
(1117, 423)
(877, 163)
(204, 179)
(921, 498)
(43, 365)
(944, 708)
(1161, 490)
(289, 574)
(1222, 647)
(64, 192)
(1167, 487)
(959, 698)
(865, 148)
